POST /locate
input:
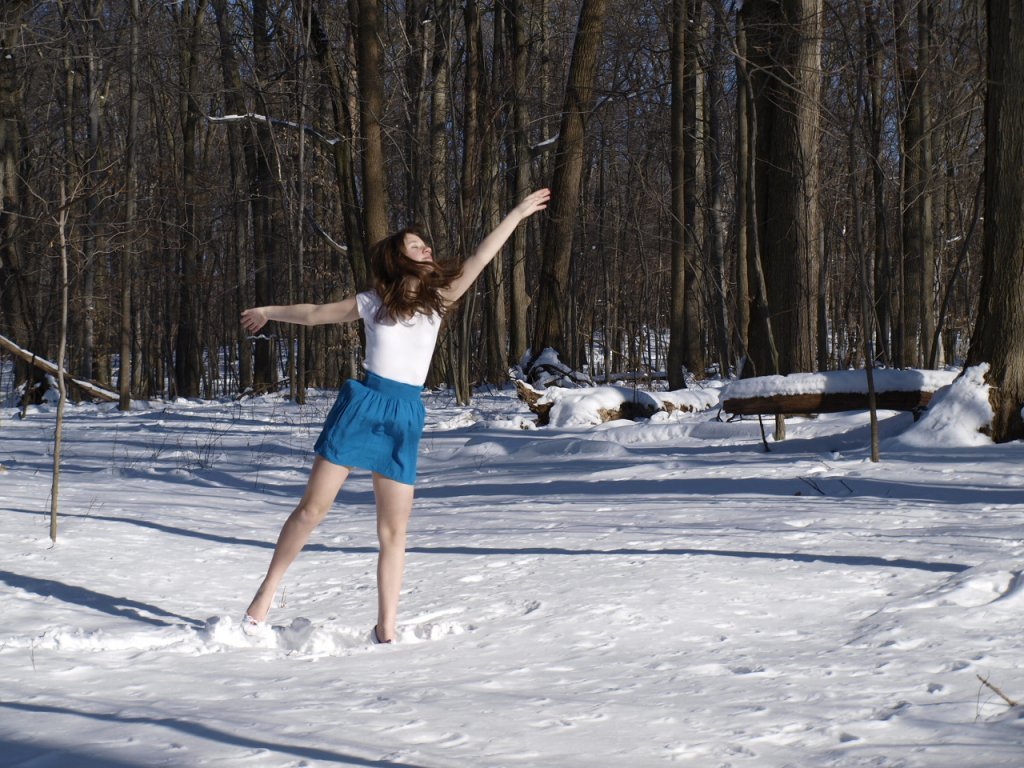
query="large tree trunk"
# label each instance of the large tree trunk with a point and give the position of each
(693, 170)
(566, 182)
(785, 40)
(369, 62)
(998, 337)
(15, 312)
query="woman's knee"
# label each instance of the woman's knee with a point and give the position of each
(391, 532)
(309, 514)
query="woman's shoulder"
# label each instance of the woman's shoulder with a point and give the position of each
(368, 302)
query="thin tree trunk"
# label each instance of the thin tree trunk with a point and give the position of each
(743, 218)
(677, 360)
(243, 171)
(715, 204)
(344, 176)
(882, 268)
(188, 344)
(519, 153)
(62, 218)
(130, 204)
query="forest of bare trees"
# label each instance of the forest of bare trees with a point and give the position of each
(756, 187)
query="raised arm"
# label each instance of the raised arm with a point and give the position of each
(489, 247)
(301, 314)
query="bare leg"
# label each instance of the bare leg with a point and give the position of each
(394, 506)
(325, 480)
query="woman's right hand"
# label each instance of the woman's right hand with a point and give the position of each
(535, 201)
(253, 319)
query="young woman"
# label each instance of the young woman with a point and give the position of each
(376, 423)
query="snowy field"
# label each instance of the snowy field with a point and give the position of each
(621, 595)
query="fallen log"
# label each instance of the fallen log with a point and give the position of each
(800, 394)
(824, 402)
(88, 387)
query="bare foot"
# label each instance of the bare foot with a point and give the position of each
(260, 605)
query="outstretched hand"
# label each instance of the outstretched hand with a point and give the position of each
(254, 319)
(535, 201)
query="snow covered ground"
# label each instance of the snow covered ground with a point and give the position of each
(623, 595)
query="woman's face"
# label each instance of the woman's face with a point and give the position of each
(414, 248)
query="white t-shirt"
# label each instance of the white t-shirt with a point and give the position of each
(400, 350)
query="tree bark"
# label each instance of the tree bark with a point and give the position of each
(998, 337)
(566, 182)
(882, 267)
(677, 361)
(785, 40)
(519, 159)
(369, 62)
(188, 366)
(131, 212)
(15, 309)
(693, 170)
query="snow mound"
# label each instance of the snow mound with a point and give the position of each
(956, 415)
(587, 406)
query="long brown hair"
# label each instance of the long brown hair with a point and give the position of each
(407, 287)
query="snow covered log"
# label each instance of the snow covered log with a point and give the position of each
(833, 392)
(587, 406)
(89, 388)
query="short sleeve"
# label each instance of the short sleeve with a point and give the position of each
(367, 304)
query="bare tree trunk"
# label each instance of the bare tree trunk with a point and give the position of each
(470, 190)
(496, 308)
(188, 343)
(242, 163)
(566, 182)
(92, 357)
(369, 61)
(743, 218)
(998, 337)
(693, 169)
(713, 99)
(882, 268)
(917, 243)
(62, 218)
(130, 204)
(926, 279)
(677, 360)
(520, 160)
(786, 82)
(440, 69)
(264, 194)
(344, 175)
(15, 310)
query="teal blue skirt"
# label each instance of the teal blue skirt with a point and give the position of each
(375, 424)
